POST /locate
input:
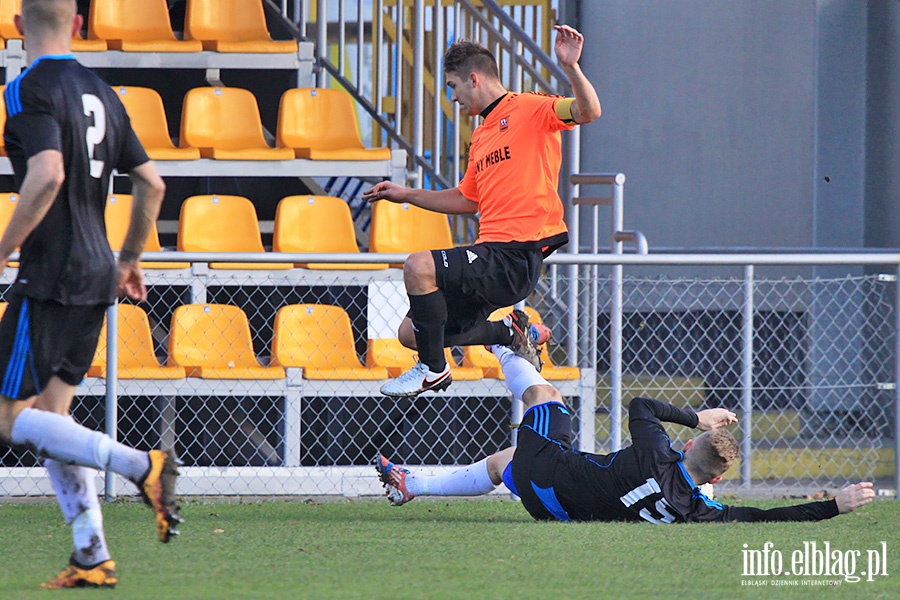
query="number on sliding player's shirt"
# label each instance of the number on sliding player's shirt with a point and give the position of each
(58, 104)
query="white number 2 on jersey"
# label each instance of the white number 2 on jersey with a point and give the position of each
(96, 132)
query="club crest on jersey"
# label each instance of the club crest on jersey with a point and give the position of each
(504, 123)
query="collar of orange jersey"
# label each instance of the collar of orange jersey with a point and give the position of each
(484, 114)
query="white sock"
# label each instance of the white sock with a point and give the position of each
(519, 373)
(470, 480)
(61, 438)
(87, 533)
(76, 493)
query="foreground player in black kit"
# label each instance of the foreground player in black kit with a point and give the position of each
(66, 131)
(647, 481)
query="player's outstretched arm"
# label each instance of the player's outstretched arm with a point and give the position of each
(569, 44)
(853, 496)
(450, 202)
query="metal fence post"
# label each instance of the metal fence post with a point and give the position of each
(112, 379)
(747, 378)
(897, 390)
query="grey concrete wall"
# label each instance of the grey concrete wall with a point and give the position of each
(883, 126)
(727, 116)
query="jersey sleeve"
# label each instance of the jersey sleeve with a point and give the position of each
(467, 186)
(31, 124)
(704, 509)
(545, 116)
(645, 417)
(132, 154)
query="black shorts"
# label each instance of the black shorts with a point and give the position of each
(544, 441)
(479, 279)
(42, 339)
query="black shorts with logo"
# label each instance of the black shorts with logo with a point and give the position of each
(479, 279)
(41, 339)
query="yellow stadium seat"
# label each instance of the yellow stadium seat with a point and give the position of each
(8, 9)
(117, 217)
(136, 358)
(213, 341)
(319, 339)
(136, 26)
(8, 203)
(397, 358)
(224, 123)
(148, 118)
(231, 26)
(79, 44)
(321, 124)
(316, 224)
(222, 224)
(550, 371)
(407, 228)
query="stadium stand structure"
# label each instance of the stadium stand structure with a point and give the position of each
(213, 352)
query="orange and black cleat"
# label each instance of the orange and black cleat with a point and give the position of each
(75, 576)
(157, 489)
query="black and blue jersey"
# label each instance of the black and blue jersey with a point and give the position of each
(646, 481)
(58, 104)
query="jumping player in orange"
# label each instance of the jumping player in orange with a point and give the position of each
(511, 180)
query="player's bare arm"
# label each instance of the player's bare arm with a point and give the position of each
(450, 202)
(853, 496)
(714, 418)
(39, 189)
(568, 46)
(148, 191)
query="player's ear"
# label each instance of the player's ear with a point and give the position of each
(19, 23)
(688, 444)
(715, 479)
(77, 22)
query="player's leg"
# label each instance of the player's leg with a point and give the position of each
(45, 350)
(425, 324)
(401, 485)
(523, 380)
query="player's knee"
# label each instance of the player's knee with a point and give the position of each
(418, 271)
(541, 394)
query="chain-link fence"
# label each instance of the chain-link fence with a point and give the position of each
(265, 381)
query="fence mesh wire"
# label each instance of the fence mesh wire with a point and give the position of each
(246, 421)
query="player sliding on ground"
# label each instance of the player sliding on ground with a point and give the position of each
(647, 481)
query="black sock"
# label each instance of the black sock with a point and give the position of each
(486, 333)
(429, 316)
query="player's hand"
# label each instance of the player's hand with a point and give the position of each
(386, 190)
(130, 281)
(853, 496)
(714, 418)
(568, 45)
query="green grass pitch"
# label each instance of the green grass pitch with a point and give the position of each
(430, 549)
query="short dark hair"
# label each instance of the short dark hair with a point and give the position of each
(465, 56)
(43, 16)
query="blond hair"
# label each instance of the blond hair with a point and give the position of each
(712, 454)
